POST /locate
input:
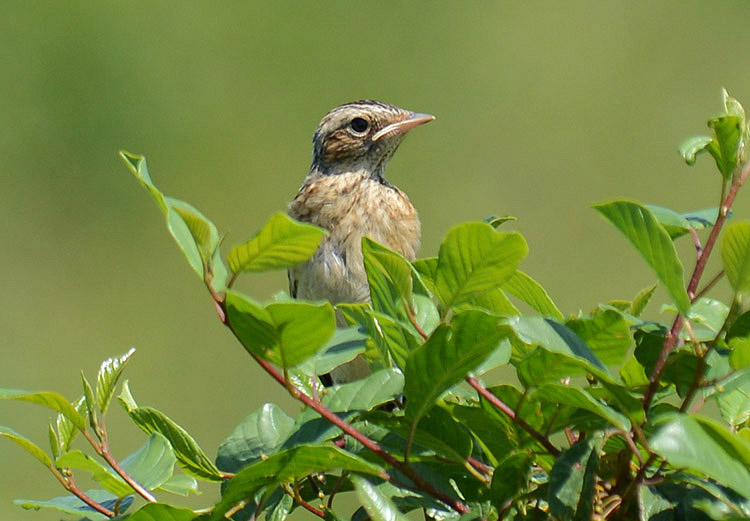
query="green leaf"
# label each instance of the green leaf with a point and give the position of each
(191, 457)
(739, 358)
(343, 347)
(261, 433)
(556, 338)
(691, 147)
(532, 293)
(474, 258)
(426, 271)
(389, 276)
(496, 438)
(90, 402)
(496, 220)
(735, 254)
(152, 464)
(678, 224)
(641, 300)
(287, 466)
(76, 459)
(284, 333)
(726, 143)
(180, 484)
(683, 442)
(573, 479)
(510, 478)
(196, 236)
(54, 441)
(161, 512)
(106, 380)
(47, 399)
(577, 397)
(282, 509)
(606, 333)
(66, 430)
(378, 505)
(447, 357)
(733, 398)
(367, 393)
(74, 506)
(282, 243)
(652, 241)
(26, 444)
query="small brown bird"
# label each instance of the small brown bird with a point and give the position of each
(346, 193)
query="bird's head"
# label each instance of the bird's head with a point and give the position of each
(361, 136)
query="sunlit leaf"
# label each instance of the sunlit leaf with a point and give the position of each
(474, 258)
(606, 333)
(152, 464)
(683, 442)
(106, 380)
(47, 399)
(196, 236)
(281, 244)
(447, 357)
(378, 505)
(190, 456)
(580, 398)
(652, 241)
(105, 476)
(691, 147)
(367, 393)
(261, 433)
(284, 333)
(641, 300)
(26, 444)
(532, 293)
(180, 484)
(389, 276)
(726, 143)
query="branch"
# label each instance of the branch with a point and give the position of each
(69, 483)
(670, 341)
(494, 400)
(350, 430)
(103, 451)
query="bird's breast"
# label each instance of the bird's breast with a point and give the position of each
(351, 206)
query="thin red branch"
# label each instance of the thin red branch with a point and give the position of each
(70, 485)
(670, 341)
(505, 409)
(350, 430)
(103, 450)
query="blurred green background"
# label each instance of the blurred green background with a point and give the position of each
(542, 108)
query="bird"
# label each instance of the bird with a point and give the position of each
(346, 193)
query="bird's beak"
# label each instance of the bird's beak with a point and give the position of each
(403, 126)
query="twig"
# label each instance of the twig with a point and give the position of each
(334, 490)
(103, 450)
(69, 484)
(495, 401)
(710, 285)
(670, 341)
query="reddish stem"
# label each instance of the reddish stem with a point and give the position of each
(494, 400)
(670, 341)
(70, 485)
(349, 429)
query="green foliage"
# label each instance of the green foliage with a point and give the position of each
(590, 416)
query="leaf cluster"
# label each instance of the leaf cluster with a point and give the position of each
(600, 418)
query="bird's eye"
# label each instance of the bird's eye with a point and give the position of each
(359, 125)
